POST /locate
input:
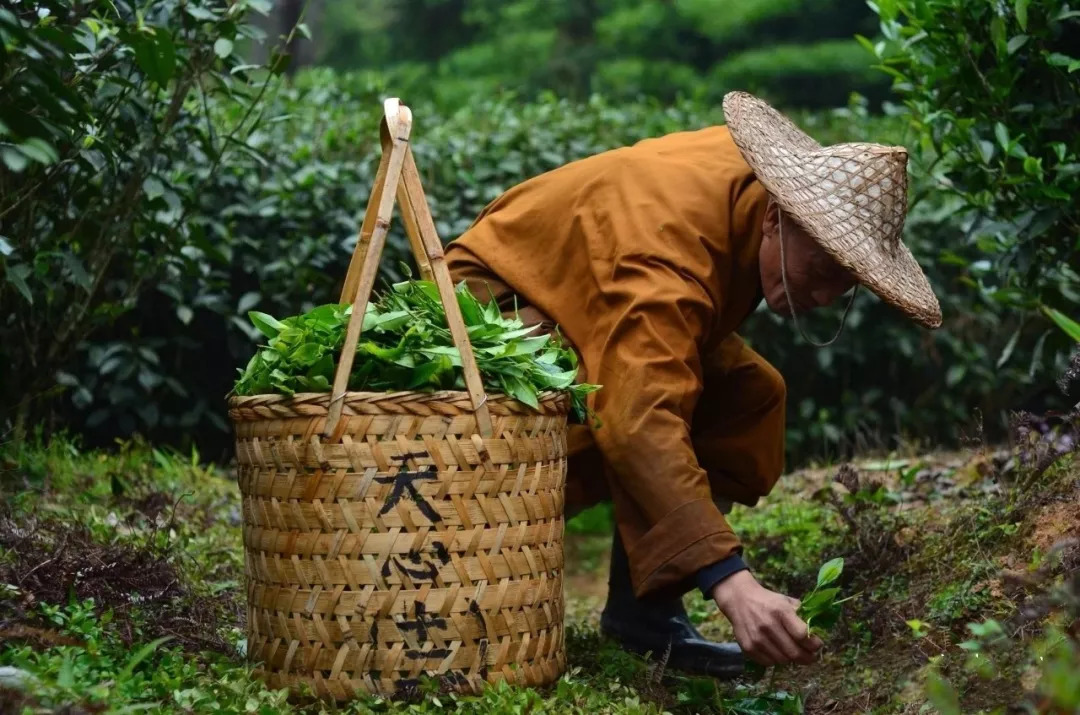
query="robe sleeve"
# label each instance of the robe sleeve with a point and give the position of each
(657, 315)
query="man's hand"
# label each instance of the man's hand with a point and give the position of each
(766, 624)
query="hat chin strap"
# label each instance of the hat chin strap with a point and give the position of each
(791, 304)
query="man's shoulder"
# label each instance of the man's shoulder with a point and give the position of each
(690, 142)
(699, 159)
(687, 138)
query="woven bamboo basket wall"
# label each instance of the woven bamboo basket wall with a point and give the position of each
(390, 536)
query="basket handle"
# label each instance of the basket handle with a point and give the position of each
(397, 169)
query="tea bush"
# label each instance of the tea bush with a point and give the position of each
(105, 148)
(131, 261)
(799, 52)
(993, 93)
(270, 228)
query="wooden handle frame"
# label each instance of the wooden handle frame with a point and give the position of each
(397, 169)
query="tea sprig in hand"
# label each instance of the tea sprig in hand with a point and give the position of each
(819, 608)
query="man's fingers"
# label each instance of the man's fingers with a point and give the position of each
(759, 648)
(783, 642)
(768, 652)
(799, 631)
(801, 646)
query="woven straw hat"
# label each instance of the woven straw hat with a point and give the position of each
(851, 198)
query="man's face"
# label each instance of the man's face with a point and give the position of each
(813, 277)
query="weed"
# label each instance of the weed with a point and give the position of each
(941, 572)
(1052, 658)
(698, 608)
(961, 599)
(784, 540)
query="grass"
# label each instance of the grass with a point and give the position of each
(121, 589)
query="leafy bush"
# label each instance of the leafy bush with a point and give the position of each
(101, 101)
(994, 96)
(277, 222)
(623, 49)
(274, 224)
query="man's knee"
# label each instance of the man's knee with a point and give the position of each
(774, 388)
(748, 381)
(763, 384)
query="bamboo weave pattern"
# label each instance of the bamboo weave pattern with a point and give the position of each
(404, 544)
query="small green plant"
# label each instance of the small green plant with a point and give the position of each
(819, 608)
(919, 629)
(96, 671)
(406, 345)
(698, 609)
(986, 636)
(959, 600)
(786, 539)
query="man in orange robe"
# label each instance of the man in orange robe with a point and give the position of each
(649, 258)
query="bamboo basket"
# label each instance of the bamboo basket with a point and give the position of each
(389, 536)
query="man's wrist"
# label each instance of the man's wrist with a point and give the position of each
(731, 588)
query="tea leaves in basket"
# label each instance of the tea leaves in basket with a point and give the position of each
(406, 345)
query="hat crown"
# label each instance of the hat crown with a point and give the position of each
(860, 187)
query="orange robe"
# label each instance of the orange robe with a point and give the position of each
(647, 259)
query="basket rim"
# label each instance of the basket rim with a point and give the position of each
(557, 396)
(456, 394)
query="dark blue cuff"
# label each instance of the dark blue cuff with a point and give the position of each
(708, 577)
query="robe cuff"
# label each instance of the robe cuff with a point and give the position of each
(708, 577)
(666, 559)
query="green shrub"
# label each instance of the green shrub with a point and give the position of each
(138, 307)
(102, 101)
(456, 52)
(993, 92)
(271, 226)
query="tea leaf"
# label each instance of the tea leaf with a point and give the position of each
(819, 600)
(267, 325)
(942, 694)
(306, 354)
(830, 572)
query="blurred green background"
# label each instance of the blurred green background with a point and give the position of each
(168, 166)
(799, 51)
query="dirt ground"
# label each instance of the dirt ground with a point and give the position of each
(940, 541)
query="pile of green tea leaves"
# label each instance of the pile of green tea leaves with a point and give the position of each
(406, 345)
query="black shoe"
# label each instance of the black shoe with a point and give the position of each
(653, 626)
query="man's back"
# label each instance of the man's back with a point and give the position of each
(570, 241)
